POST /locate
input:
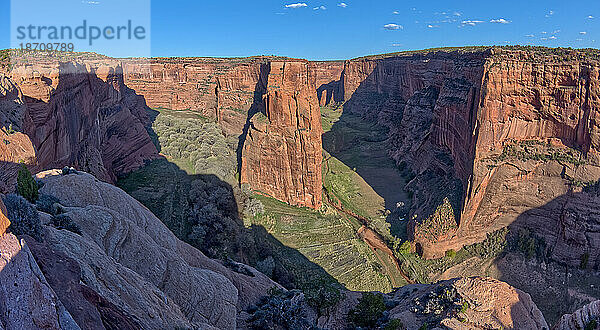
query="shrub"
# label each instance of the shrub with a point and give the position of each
(26, 185)
(369, 310)
(254, 207)
(280, 310)
(450, 254)
(24, 218)
(394, 324)
(405, 248)
(45, 203)
(64, 221)
(584, 259)
(465, 306)
(322, 295)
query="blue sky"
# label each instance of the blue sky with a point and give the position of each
(339, 30)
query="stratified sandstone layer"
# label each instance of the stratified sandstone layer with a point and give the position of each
(15, 147)
(81, 114)
(282, 150)
(269, 103)
(493, 137)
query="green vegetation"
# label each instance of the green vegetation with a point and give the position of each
(279, 310)
(528, 244)
(369, 310)
(322, 238)
(26, 185)
(539, 151)
(359, 174)
(584, 259)
(195, 144)
(424, 271)
(24, 218)
(394, 324)
(451, 254)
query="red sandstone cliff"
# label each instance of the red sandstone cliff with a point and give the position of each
(81, 114)
(494, 138)
(280, 158)
(282, 151)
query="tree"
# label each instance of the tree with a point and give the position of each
(369, 310)
(26, 185)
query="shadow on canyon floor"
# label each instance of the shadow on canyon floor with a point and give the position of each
(354, 137)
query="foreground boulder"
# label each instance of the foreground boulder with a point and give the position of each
(466, 303)
(128, 256)
(26, 299)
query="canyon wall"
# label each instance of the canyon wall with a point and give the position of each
(269, 103)
(491, 138)
(81, 114)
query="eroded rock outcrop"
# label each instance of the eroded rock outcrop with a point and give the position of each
(282, 150)
(587, 317)
(15, 146)
(491, 138)
(132, 260)
(26, 299)
(484, 303)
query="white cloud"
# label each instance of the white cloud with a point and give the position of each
(456, 13)
(530, 35)
(433, 26)
(553, 38)
(590, 17)
(396, 12)
(296, 5)
(396, 45)
(500, 20)
(320, 8)
(550, 13)
(583, 32)
(342, 4)
(556, 31)
(471, 22)
(393, 26)
(544, 32)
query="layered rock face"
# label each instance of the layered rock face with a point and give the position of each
(219, 89)
(81, 114)
(328, 81)
(15, 146)
(282, 150)
(133, 265)
(269, 103)
(489, 135)
(584, 318)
